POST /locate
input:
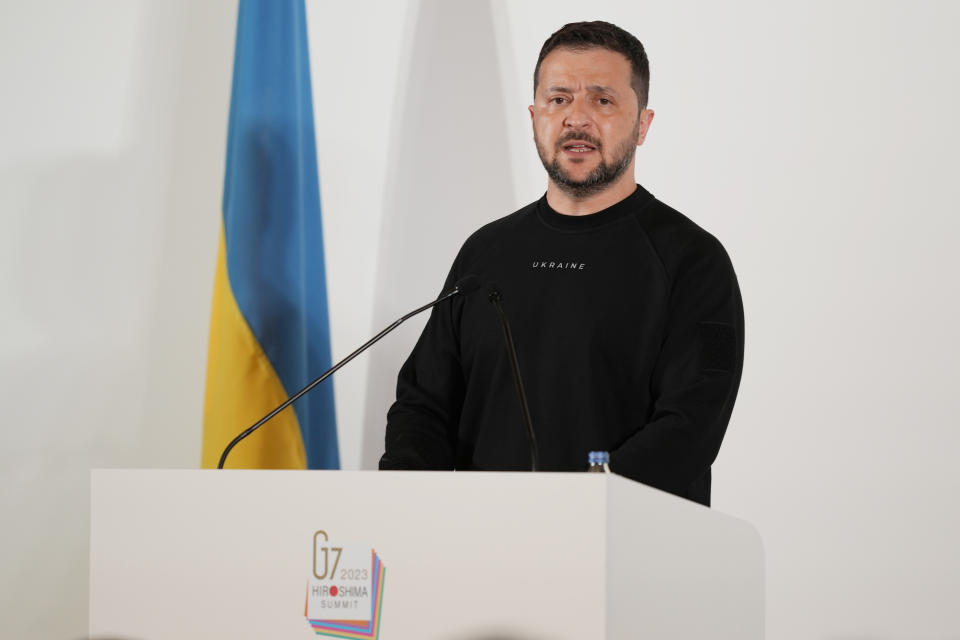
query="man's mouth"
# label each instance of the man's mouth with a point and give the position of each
(576, 146)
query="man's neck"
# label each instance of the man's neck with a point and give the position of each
(564, 203)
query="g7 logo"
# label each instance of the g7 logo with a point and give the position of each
(325, 552)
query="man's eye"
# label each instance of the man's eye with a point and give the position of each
(604, 101)
(558, 100)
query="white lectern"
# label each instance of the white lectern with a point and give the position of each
(414, 555)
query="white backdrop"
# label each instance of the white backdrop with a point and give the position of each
(816, 140)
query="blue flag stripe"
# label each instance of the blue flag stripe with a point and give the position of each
(271, 202)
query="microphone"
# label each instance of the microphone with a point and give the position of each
(465, 285)
(512, 351)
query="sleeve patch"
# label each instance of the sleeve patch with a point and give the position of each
(718, 346)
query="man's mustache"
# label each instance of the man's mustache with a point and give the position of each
(580, 137)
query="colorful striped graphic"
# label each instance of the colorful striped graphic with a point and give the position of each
(357, 629)
(269, 328)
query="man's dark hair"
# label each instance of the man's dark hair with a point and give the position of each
(580, 36)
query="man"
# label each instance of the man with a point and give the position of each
(626, 315)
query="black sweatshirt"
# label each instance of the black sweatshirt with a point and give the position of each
(628, 325)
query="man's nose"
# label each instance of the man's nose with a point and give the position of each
(577, 116)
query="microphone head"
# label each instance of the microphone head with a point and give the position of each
(468, 284)
(493, 293)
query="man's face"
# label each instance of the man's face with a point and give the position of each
(586, 119)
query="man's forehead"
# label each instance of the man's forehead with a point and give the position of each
(593, 67)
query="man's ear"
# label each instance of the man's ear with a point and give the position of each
(646, 117)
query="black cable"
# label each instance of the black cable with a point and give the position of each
(524, 407)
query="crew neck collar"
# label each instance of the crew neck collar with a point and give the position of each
(613, 213)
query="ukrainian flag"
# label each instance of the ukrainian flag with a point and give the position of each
(269, 328)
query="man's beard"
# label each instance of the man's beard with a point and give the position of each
(601, 177)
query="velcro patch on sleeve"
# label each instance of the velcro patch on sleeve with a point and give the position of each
(718, 346)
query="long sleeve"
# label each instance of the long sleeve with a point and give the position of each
(696, 377)
(422, 423)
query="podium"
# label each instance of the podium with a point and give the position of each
(414, 555)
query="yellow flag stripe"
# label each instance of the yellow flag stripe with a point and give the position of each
(242, 387)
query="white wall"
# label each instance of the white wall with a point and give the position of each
(816, 140)
(111, 171)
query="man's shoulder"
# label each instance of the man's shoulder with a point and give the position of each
(490, 234)
(505, 225)
(676, 238)
(669, 228)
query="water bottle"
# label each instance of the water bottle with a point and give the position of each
(598, 462)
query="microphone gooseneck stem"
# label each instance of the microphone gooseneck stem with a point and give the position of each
(515, 365)
(329, 372)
